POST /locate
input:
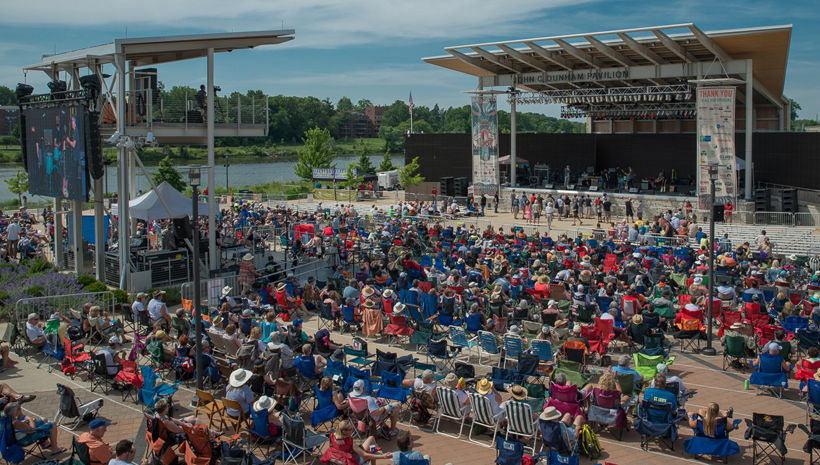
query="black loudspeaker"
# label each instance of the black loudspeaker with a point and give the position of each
(790, 200)
(763, 200)
(93, 145)
(182, 228)
(21, 121)
(446, 188)
(718, 213)
(460, 186)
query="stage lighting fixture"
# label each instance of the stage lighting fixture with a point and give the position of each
(92, 86)
(57, 86)
(23, 92)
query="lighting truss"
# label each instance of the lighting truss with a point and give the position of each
(647, 110)
(598, 95)
(56, 99)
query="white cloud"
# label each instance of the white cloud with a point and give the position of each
(319, 23)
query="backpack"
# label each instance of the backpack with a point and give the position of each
(589, 443)
(419, 412)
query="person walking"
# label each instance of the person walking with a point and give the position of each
(495, 199)
(483, 203)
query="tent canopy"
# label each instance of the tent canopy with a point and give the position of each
(148, 206)
(740, 164)
(505, 160)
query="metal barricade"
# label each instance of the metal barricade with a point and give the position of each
(807, 219)
(774, 218)
(62, 304)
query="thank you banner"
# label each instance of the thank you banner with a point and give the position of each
(485, 144)
(716, 144)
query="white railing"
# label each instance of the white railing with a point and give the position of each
(47, 305)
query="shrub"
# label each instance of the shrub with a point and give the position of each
(96, 287)
(86, 279)
(38, 266)
(35, 291)
(121, 296)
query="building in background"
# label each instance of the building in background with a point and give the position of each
(362, 125)
(8, 119)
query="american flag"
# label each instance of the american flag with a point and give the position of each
(411, 102)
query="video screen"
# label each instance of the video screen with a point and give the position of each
(56, 153)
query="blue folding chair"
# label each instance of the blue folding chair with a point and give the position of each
(657, 420)
(348, 312)
(337, 371)
(813, 401)
(543, 349)
(806, 339)
(459, 338)
(403, 460)
(488, 345)
(355, 374)
(472, 323)
(260, 434)
(603, 302)
(718, 445)
(151, 391)
(508, 452)
(770, 375)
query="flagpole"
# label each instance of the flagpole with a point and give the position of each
(411, 111)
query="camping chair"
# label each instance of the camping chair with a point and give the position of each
(82, 451)
(151, 391)
(813, 439)
(513, 348)
(770, 375)
(440, 351)
(488, 344)
(348, 315)
(239, 420)
(158, 439)
(459, 338)
(806, 339)
(198, 449)
(502, 378)
(575, 351)
(561, 449)
(606, 410)
(76, 356)
(768, 433)
(325, 410)
(647, 366)
(100, 377)
(12, 450)
(483, 416)
(357, 356)
(520, 422)
(207, 404)
(585, 313)
(690, 333)
(399, 331)
(813, 400)
(734, 351)
(259, 434)
(657, 420)
(298, 440)
(717, 446)
(597, 343)
(450, 408)
(72, 407)
(326, 319)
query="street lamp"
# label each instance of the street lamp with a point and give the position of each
(195, 180)
(226, 172)
(713, 176)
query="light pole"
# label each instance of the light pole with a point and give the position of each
(195, 178)
(713, 175)
(226, 172)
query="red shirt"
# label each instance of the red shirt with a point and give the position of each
(434, 192)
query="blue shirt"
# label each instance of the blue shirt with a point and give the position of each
(661, 396)
(629, 371)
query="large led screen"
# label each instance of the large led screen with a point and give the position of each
(56, 156)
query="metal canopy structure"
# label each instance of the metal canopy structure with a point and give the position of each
(590, 72)
(125, 55)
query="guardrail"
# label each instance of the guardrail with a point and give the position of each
(146, 107)
(47, 305)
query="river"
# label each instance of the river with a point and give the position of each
(240, 173)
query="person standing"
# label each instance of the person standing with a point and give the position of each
(12, 239)
(495, 199)
(628, 206)
(640, 210)
(434, 193)
(566, 176)
(483, 203)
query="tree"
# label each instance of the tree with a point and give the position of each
(344, 104)
(166, 172)
(16, 132)
(408, 176)
(316, 154)
(386, 164)
(18, 184)
(7, 140)
(794, 106)
(363, 103)
(7, 96)
(363, 163)
(393, 138)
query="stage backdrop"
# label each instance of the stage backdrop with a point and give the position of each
(485, 144)
(716, 144)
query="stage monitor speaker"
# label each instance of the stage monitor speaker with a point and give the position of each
(593, 188)
(94, 145)
(718, 213)
(182, 227)
(633, 190)
(789, 197)
(446, 187)
(549, 186)
(571, 187)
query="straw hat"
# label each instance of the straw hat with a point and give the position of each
(368, 291)
(637, 319)
(226, 290)
(369, 303)
(264, 403)
(519, 392)
(549, 414)
(216, 320)
(586, 258)
(398, 309)
(388, 293)
(543, 279)
(240, 377)
(484, 386)
(451, 380)
(281, 287)
(248, 257)
(158, 292)
(537, 264)
(736, 325)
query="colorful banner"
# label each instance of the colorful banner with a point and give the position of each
(716, 145)
(485, 144)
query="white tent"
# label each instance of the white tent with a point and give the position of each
(740, 164)
(149, 207)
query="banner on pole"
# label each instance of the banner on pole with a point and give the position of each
(716, 145)
(485, 144)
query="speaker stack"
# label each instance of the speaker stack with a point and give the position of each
(446, 188)
(94, 146)
(182, 228)
(763, 200)
(790, 200)
(460, 187)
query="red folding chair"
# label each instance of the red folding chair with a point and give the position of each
(728, 319)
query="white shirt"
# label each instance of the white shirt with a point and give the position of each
(419, 384)
(137, 307)
(117, 462)
(606, 316)
(34, 332)
(14, 232)
(155, 309)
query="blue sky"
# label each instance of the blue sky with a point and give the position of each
(373, 49)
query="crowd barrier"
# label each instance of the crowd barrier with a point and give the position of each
(63, 304)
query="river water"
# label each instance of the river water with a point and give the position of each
(240, 173)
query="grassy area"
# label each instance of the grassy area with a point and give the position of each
(290, 188)
(11, 154)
